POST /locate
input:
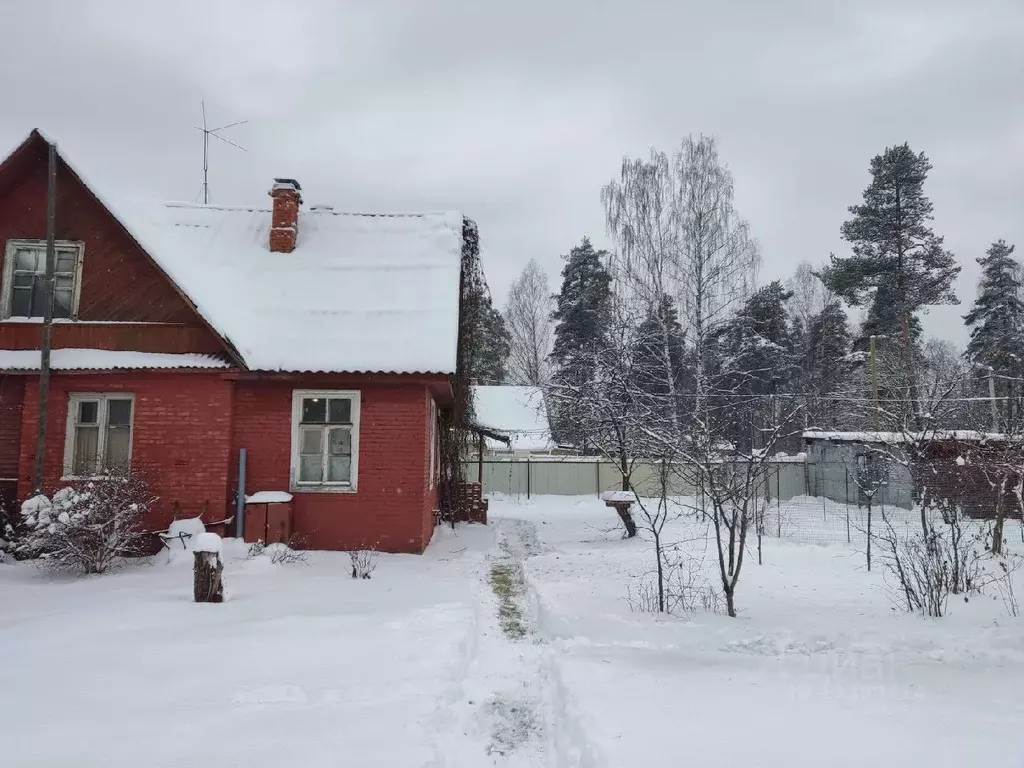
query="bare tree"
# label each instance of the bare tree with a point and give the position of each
(528, 320)
(678, 235)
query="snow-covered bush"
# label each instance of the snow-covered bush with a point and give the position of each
(87, 529)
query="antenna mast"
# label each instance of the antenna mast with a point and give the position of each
(207, 132)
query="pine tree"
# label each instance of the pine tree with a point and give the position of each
(997, 318)
(582, 316)
(898, 263)
(489, 354)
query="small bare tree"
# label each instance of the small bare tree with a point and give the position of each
(528, 320)
(90, 528)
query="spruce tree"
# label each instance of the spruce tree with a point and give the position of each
(491, 350)
(582, 316)
(997, 318)
(898, 263)
(650, 363)
(827, 362)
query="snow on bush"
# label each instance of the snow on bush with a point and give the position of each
(87, 529)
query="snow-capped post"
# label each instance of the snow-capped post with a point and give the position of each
(208, 582)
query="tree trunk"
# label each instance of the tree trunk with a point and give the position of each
(627, 519)
(208, 586)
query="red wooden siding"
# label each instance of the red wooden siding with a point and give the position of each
(130, 336)
(119, 281)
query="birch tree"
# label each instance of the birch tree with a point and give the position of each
(528, 320)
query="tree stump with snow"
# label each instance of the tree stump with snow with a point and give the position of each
(208, 582)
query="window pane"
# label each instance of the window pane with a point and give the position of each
(118, 443)
(119, 412)
(65, 262)
(340, 411)
(339, 469)
(88, 411)
(21, 302)
(340, 442)
(63, 283)
(311, 441)
(28, 260)
(38, 298)
(24, 279)
(86, 442)
(314, 410)
(311, 469)
(61, 304)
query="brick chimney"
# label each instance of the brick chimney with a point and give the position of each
(284, 224)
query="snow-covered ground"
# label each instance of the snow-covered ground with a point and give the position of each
(511, 645)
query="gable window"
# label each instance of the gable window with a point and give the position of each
(99, 434)
(325, 440)
(24, 289)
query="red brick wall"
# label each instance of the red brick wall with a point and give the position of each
(181, 436)
(119, 282)
(390, 509)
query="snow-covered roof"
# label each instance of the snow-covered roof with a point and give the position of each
(103, 360)
(965, 435)
(360, 292)
(517, 412)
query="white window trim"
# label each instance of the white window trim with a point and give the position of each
(433, 433)
(7, 289)
(298, 395)
(101, 419)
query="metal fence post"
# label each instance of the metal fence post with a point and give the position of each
(597, 477)
(527, 476)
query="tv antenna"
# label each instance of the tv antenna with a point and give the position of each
(215, 133)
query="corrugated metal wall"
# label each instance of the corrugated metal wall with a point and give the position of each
(581, 476)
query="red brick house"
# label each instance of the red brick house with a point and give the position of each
(321, 342)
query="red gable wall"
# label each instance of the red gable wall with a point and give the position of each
(119, 281)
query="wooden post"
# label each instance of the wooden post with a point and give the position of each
(480, 459)
(47, 340)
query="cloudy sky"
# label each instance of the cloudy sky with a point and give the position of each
(517, 112)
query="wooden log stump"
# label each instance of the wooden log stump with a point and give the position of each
(208, 582)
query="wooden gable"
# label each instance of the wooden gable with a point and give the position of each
(125, 301)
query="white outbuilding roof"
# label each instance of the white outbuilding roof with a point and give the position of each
(517, 412)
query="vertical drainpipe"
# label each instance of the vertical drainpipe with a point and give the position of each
(240, 502)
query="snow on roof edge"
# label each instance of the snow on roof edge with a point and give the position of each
(82, 359)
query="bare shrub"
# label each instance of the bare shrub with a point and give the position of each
(256, 549)
(927, 566)
(289, 553)
(87, 529)
(364, 563)
(1006, 569)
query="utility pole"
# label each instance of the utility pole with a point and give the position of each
(47, 341)
(876, 416)
(992, 397)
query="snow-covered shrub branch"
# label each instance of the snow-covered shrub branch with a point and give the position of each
(87, 529)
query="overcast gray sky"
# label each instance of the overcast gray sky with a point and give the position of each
(517, 112)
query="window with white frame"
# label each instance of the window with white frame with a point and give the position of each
(99, 434)
(325, 440)
(433, 442)
(24, 284)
